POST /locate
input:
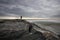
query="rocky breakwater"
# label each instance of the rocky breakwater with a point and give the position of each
(16, 29)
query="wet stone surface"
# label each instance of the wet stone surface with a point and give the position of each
(18, 30)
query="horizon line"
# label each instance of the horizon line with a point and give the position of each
(28, 18)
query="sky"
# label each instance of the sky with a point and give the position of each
(30, 8)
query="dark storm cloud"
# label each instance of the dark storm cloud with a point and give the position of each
(8, 1)
(13, 10)
(4, 1)
(57, 15)
(30, 8)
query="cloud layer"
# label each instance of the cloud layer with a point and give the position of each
(30, 8)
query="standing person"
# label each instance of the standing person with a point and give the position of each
(21, 17)
(30, 28)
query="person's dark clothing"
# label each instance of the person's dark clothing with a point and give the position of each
(30, 28)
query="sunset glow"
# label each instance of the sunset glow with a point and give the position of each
(28, 18)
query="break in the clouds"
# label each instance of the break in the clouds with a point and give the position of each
(30, 8)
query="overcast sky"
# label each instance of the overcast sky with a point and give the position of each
(30, 8)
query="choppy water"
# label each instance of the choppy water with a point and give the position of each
(54, 28)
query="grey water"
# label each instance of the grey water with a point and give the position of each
(54, 27)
